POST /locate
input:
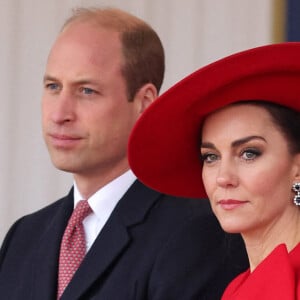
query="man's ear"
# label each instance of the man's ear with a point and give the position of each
(145, 96)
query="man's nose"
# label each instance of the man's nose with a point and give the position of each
(64, 108)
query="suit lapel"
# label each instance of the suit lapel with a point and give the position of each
(113, 239)
(98, 259)
(47, 252)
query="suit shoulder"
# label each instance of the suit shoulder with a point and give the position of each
(34, 223)
(194, 207)
(47, 210)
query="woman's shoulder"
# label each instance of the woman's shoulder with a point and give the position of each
(274, 278)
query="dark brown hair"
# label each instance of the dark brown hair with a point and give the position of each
(285, 118)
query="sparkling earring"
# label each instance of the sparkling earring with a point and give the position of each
(296, 189)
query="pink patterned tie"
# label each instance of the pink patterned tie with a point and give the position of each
(73, 246)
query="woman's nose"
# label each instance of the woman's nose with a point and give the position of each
(227, 175)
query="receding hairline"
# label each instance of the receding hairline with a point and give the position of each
(142, 49)
(106, 17)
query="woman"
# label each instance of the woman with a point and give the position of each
(231, 131)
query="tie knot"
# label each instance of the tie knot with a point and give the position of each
(81, 211)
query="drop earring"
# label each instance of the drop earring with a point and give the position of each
(296, 189)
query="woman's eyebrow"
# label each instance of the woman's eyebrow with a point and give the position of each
(207, 145)
(236, 143)
(246, 140)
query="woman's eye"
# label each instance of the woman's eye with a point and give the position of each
(250, 154)
(209, 157)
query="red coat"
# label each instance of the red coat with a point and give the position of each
(276, 278)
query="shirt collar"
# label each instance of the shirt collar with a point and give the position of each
(105, 199)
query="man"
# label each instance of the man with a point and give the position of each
(105, 68)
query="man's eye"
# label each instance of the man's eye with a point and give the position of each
(87, 91)
(52, 86)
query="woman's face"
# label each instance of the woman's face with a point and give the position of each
(248, 171)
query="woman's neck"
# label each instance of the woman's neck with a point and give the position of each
(263, 241)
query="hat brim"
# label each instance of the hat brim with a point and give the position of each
(163, 148)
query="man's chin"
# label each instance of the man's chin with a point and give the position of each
(64, 166)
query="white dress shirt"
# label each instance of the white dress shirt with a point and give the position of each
(102, 204)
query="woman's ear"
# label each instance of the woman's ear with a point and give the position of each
(145, 96)
(297, 167)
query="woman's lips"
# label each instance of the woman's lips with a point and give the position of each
(229, 204)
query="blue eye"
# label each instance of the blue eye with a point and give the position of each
(87, 91)
(52, 86)
(250, 154)
(209, 157)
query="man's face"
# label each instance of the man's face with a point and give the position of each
(86, 115)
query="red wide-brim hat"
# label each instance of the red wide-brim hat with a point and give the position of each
(164, 146)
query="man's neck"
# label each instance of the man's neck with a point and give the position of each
(88, 185)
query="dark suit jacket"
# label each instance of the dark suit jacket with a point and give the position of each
(152, 247)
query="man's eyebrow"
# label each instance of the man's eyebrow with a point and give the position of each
(78, 81)
(49, 78)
